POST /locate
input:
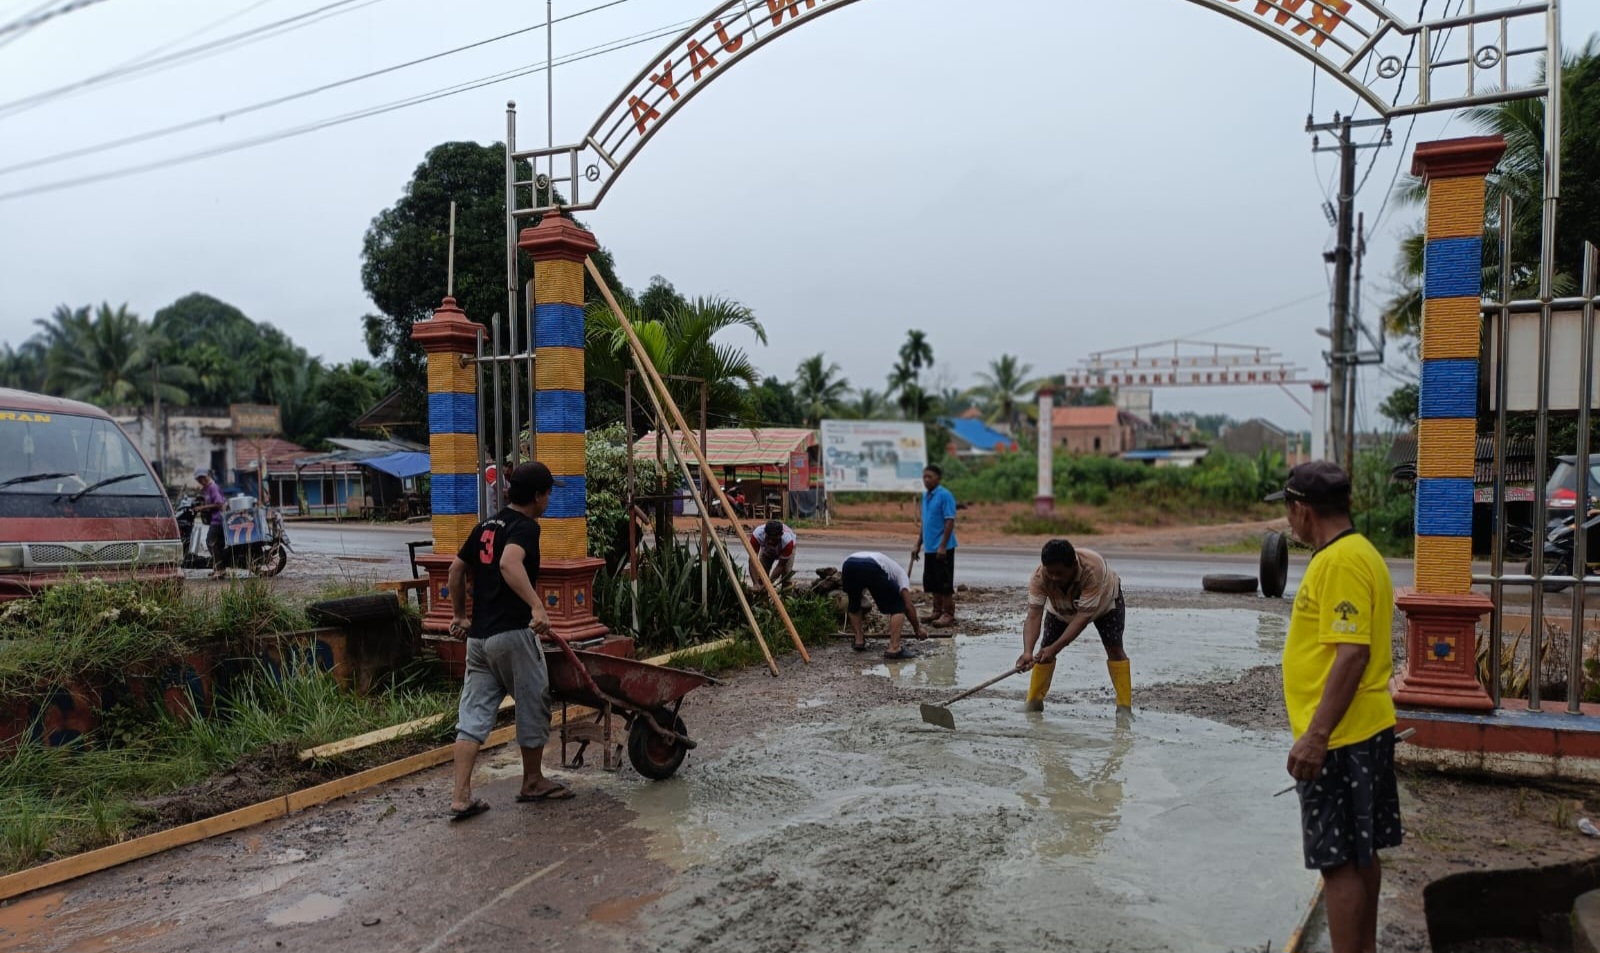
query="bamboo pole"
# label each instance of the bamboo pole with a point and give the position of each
(641, 360)
(707, 475)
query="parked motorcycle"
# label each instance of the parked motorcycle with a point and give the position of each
(253, 536)
(1558, 549)
(740, 507)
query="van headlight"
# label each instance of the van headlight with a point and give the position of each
(161, 553)
(10, 557)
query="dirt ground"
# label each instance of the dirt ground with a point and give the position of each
(384, 871)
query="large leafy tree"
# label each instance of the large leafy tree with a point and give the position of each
(685, 341)
(775, 404)
(404, 258)
(234, 359)
(22, 367)
(820, 387)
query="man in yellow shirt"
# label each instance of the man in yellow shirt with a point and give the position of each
(1336, 667)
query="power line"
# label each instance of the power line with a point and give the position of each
(1395, 101)
(232, 41)
(292, 132)
(1228, 324)
(29, 21)
(165, 131)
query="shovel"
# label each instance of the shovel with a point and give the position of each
(940, 714)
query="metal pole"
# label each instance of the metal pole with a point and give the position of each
(532, 363)
(477, 369)
(450, 268)
(511, 273)
(499, 421)
(1580, 539)
(1497, 556)
(550, 95)
(1547, 270)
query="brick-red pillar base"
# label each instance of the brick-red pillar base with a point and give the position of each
(1442, 652)
(1044, 505)
(567, 588)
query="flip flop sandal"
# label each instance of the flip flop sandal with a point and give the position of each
(859, 646)
(478, 806)
(904, 653)
(558, 793)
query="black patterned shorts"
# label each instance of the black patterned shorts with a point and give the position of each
(1110, 626)
(1352, 809)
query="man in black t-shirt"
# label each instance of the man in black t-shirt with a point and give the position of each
(503, 652)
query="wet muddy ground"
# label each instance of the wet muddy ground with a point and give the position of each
(820, 813)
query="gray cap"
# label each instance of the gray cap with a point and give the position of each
(202, 472)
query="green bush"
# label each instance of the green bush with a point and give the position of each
(671, 613)
(606, 481)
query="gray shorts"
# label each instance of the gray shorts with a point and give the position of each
(506, 663)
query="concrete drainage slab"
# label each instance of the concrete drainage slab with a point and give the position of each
(1071, 830)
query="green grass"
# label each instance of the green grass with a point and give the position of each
(59, 801)
(1060, 524)
(1248, 544)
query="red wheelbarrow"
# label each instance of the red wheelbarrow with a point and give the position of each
(647, 697)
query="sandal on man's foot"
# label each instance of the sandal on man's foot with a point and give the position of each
(558, 792)
(901, 653)
(859, 646)
(478, 806)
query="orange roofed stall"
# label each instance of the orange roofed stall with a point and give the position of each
(765, 464)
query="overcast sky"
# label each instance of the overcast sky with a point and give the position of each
(1044, 178)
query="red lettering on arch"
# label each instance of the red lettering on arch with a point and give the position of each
(642, 111)
(776, 8)
(1324, 17)
(730, 46)
(700, 59)
(664, 80)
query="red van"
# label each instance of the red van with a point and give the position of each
(77, 498)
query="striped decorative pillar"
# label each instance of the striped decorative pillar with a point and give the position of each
(451, 342)
(1443, 611)
(558, 247)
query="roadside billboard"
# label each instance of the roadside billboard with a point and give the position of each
(873, 456)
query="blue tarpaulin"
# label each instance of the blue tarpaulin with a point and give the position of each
(403, 465)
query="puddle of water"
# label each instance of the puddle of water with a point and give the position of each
(621, 911)
(806, 703)
(311, 908)
(1164, 644)
(30, 923)
(1070, 829)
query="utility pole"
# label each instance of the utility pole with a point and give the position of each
(1342, 357)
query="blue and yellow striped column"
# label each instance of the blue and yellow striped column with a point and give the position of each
(1454, 173)
(450, 341)
(558, 247)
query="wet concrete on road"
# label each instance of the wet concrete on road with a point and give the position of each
(819, 813)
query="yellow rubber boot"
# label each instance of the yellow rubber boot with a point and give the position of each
(1122, 681)
(1039, 685)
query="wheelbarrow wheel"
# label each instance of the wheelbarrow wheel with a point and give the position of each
(653, 756)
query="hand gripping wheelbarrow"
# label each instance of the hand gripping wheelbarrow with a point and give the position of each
(646, 696)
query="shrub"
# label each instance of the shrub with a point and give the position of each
(670, 611)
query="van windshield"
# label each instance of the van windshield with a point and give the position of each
(69, 458)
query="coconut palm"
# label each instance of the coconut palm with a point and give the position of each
(683, 342)
(1003, 388)
(107, 358)
(22, 367)
(913, 401)
(820, 389)
(869, 404)
(916, 354)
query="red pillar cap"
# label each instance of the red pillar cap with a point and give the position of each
(448, 330)
(1457, 158)
(557, 238)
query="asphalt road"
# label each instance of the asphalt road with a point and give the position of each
(384, 547)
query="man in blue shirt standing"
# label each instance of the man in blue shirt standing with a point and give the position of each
(938, 521)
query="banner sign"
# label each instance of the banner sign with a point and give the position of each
(874, 456)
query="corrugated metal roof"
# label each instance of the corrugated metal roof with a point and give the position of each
(738, 446)
(1518, 464)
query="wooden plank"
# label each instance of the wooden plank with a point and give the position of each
(690, 652)
(381, 735)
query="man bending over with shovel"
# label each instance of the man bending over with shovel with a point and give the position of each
(891, 592)
(1070, 589)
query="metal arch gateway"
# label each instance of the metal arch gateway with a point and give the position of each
(1358, 42)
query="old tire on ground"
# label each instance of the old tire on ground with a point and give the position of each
(355, 610)
(1274, 565)
(651, 755)
(1228, 582)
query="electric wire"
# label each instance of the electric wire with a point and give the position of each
(31, 20)
(294, 131)
(165, 131)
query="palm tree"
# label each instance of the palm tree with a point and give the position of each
(109, 358)
(916, 354)
(952, 401)
(1003, 387)
(908, 393)
(682, 343)
(869, 404)
(22, 367)
(819, 388)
